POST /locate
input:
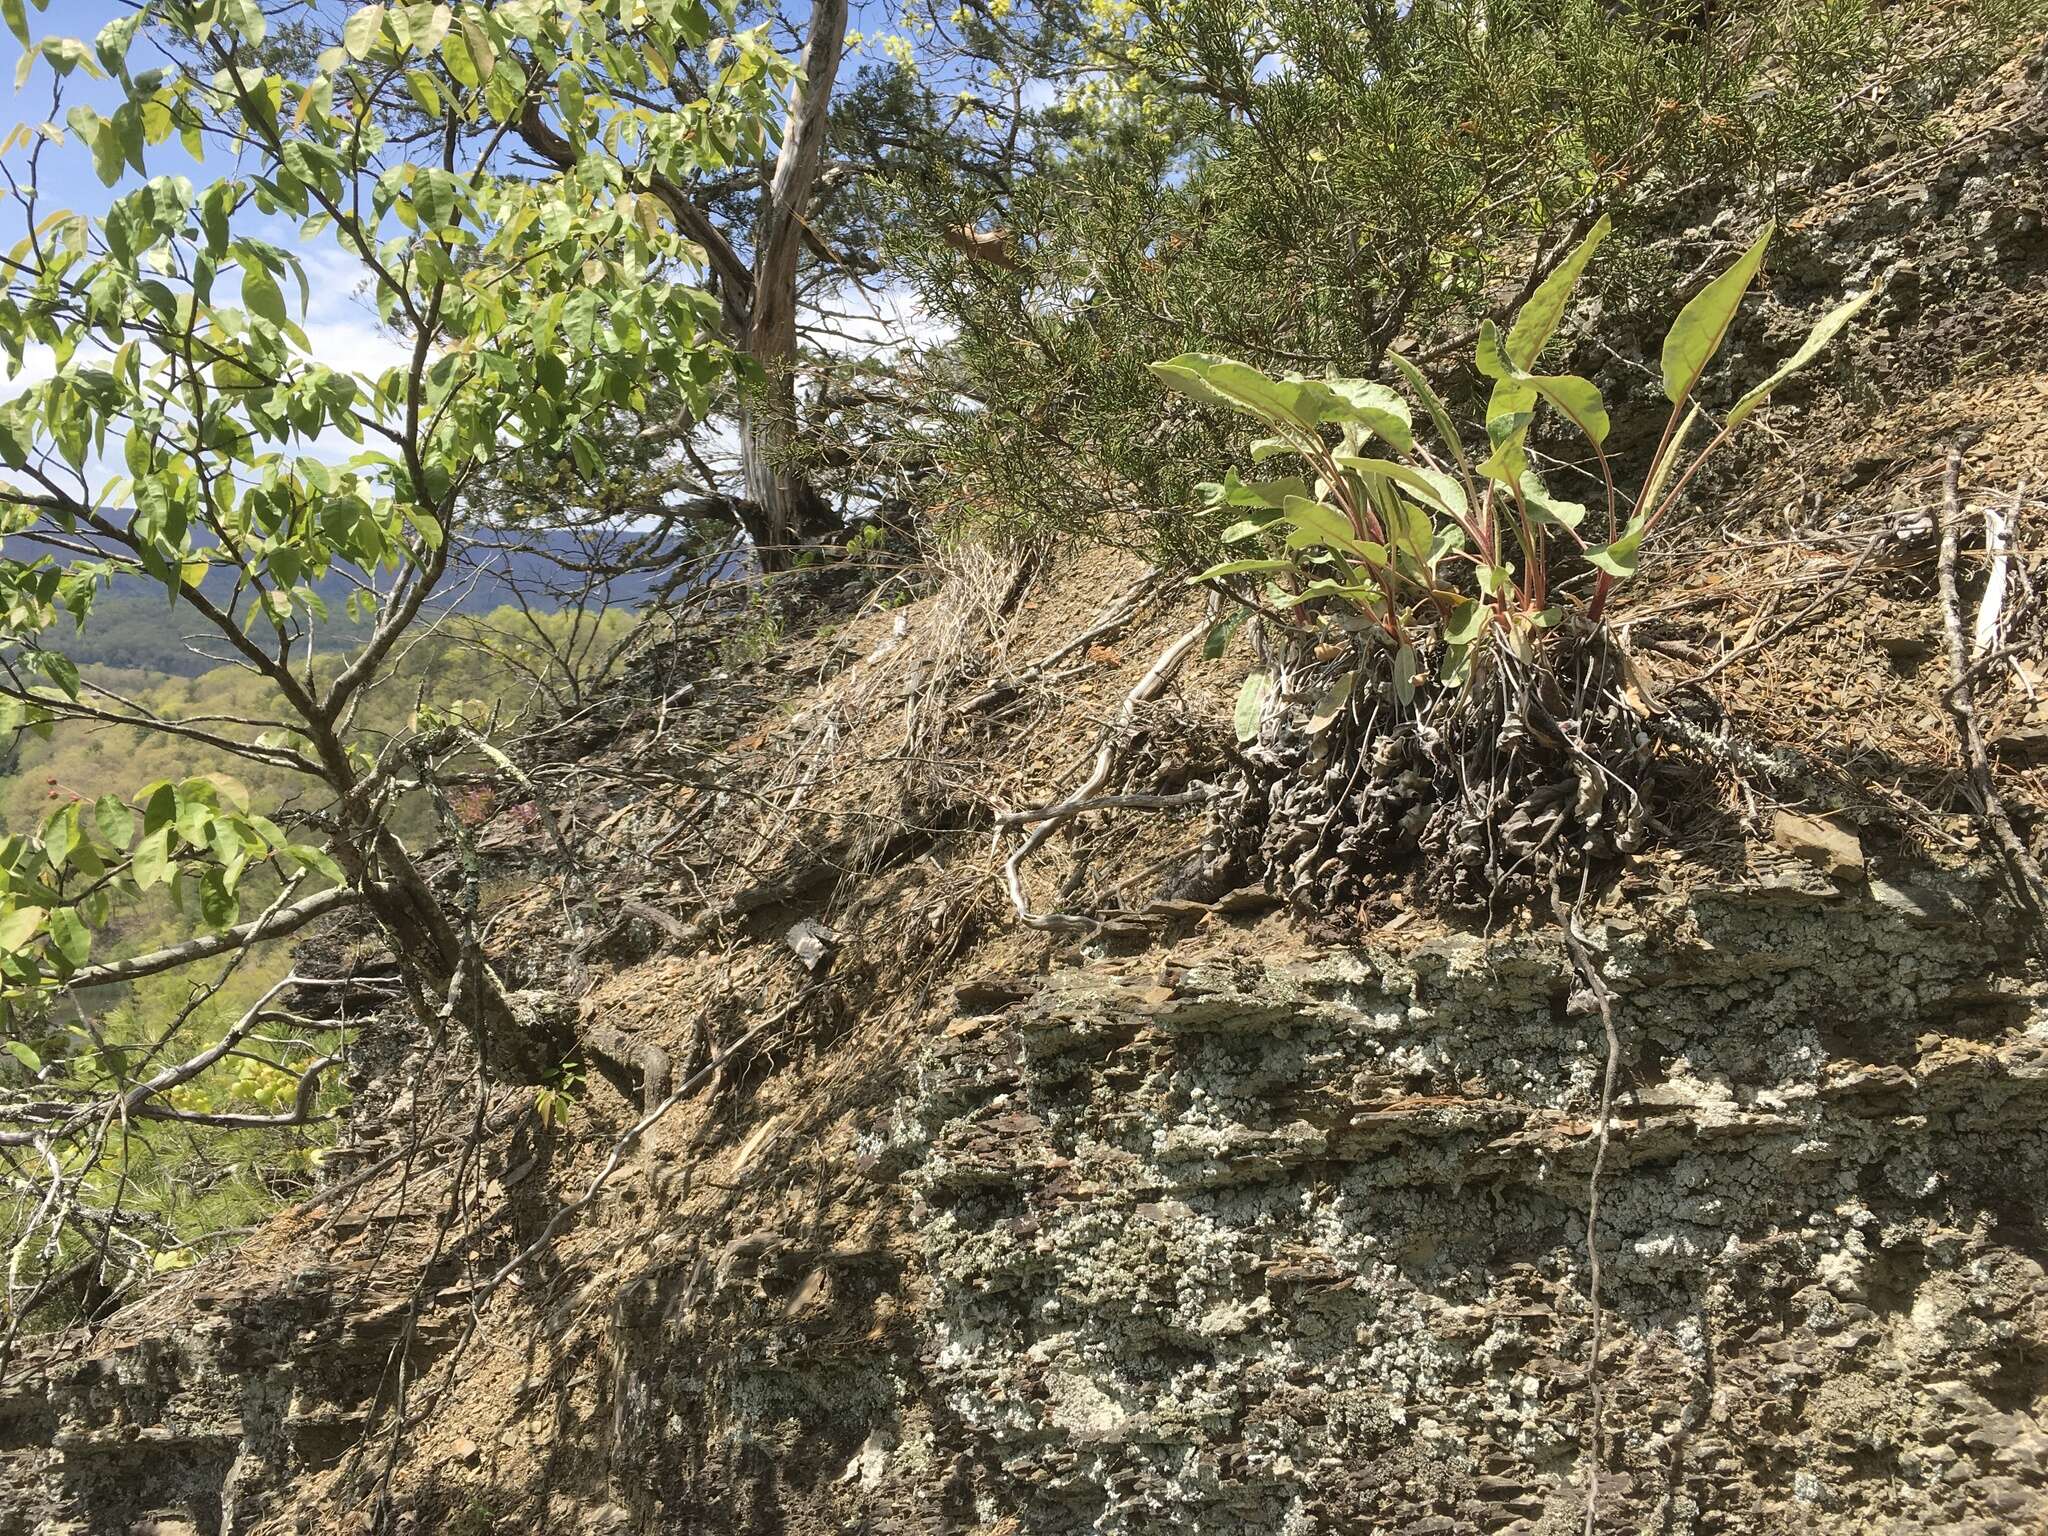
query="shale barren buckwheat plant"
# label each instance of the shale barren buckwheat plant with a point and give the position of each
(1425, 685)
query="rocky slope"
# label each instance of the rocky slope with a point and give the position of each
(1218, 1218)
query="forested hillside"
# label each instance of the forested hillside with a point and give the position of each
(1035, 767)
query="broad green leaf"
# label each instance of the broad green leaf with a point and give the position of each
(1251, 699)
(1404, 673)
(1217, 641)
(1240, 387)
(1830, 324)
(17, 20)
(315, 859)
(1331, 701)
(1432, 487)
(1508, 462)
(1272, 494)
(362, 31)
(1577, 399)
(1546, 510)
(1361, 594)
(461, 62)
(1322, 522)
(1466, 623)
(434, 197)
(217, 902)
(15, 1048)
(1618, 559)
(1515, 390)
(1703, 324)
(481, 52)
(261, 295)
(1374, 407)
(1456, 670)
(151, 863)
(70, 937)
(1540, 317)
(116, 821)
(18, 926)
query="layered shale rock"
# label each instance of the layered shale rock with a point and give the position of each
(1240, 1246)
(1221, 1239)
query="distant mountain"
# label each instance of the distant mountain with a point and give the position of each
(133, 625)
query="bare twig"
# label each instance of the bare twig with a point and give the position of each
(1826, 595)
(2028, 881)
(1050, 817)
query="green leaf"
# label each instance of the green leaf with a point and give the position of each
(116, 821)
(455, 53)
(480, 50)
(1547, 511)
(17, 20)
(362, 31)
(1330, 702)
(69, 936)
(151, 863)
(1540, 317)
(1374, 407)
(1362, 594)
(217, 902)
(1250, 699)
(1439, 414)
(434, 197)
(309, 857)
(15, 1048)
(1271, 494)
(1696, 335)
(1577, 399)
(1508, 461)
(1618, 559)
(1248, 527)
(1217, 641)
(1466, 623)
(1830, 324)
(1404, 673)
(1240, 568)
(18, 926)
(1432, 487)
(61, 670)
(1224, 381)
(261, 295)
(1323, 524)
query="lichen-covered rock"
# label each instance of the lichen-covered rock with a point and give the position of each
(1213, 1240)
(1299, 1247)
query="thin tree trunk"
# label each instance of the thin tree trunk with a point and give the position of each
(787, 507)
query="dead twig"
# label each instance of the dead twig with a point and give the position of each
(1050, 817)
(1826, 595)
(2028, 880)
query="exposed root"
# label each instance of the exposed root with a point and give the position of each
(1493, 792)
(1603, 1000)
(1045, 820)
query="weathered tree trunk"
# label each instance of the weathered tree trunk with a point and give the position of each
(788, 508)
(780, 508)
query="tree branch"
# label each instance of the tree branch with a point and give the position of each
(270, 926)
